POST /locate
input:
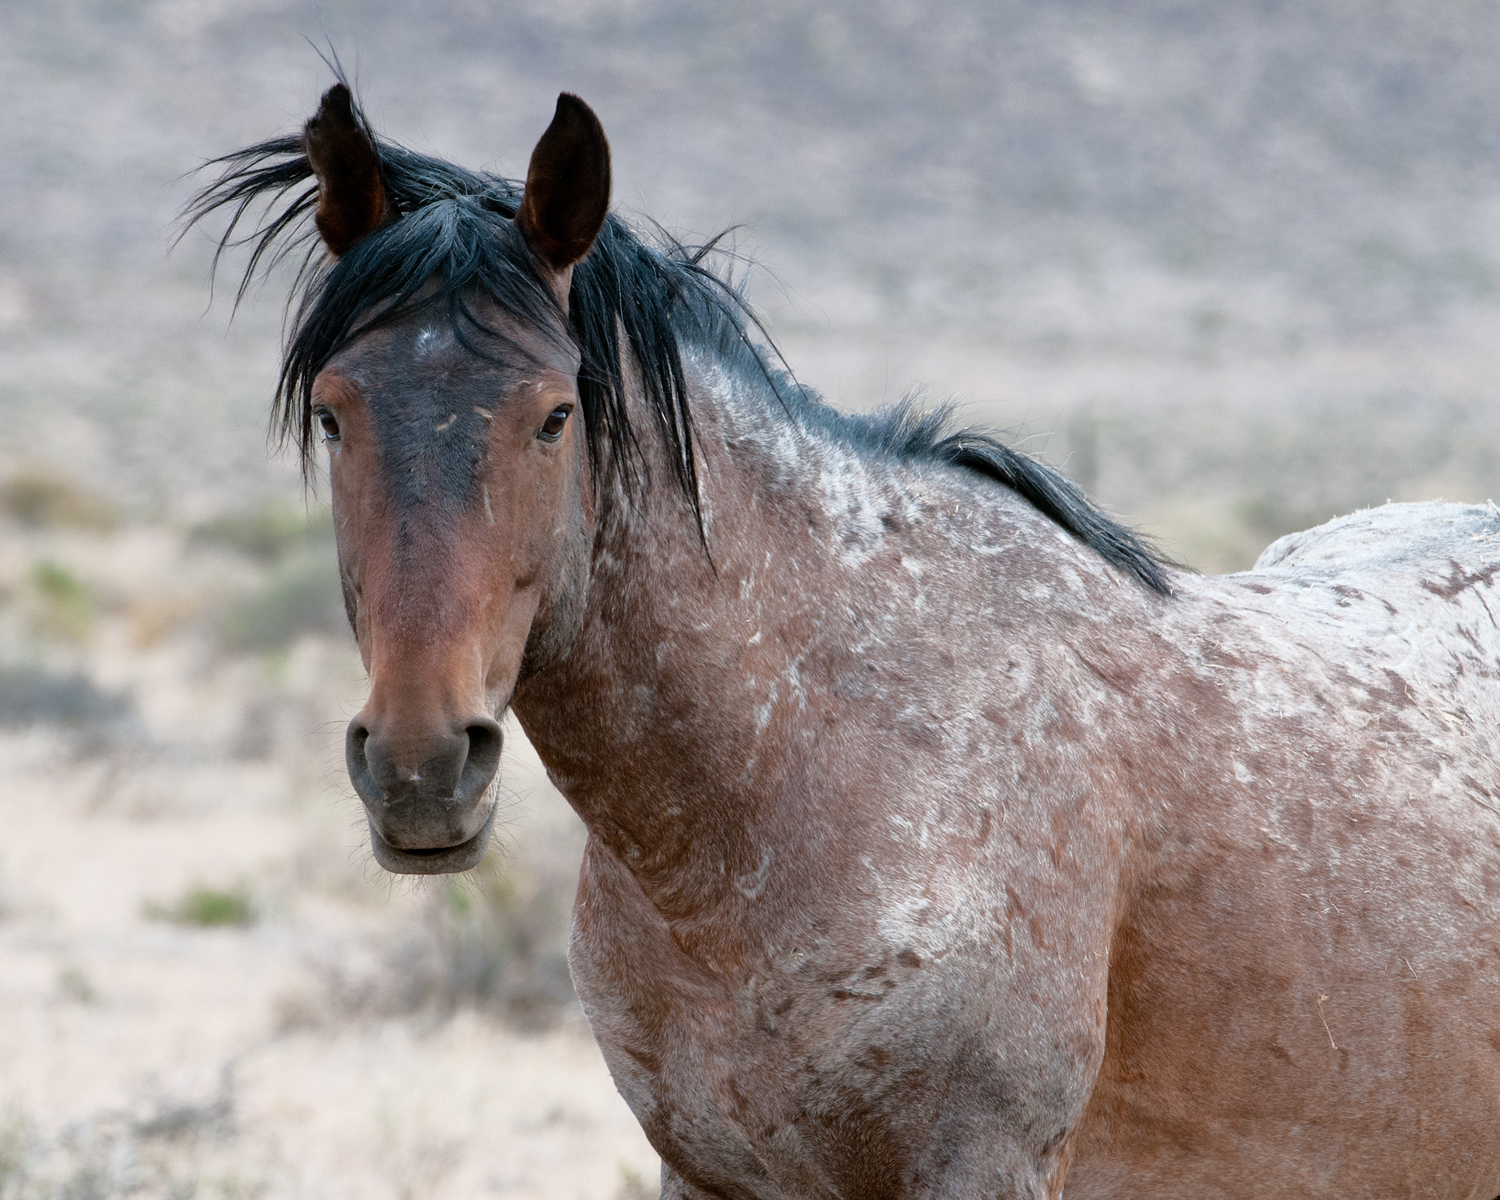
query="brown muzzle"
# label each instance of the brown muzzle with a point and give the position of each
(426, 790)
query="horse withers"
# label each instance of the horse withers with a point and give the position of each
(941, 839)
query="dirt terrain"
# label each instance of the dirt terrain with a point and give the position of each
(1234, 266)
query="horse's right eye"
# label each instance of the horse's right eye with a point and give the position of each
(329, 424)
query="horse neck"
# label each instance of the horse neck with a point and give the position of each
(773, 691)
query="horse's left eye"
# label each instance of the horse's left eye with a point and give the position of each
(329, 425)
(552, 427)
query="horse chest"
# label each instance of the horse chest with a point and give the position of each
(766, 1088)
(830, 1070)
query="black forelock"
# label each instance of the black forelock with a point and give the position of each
(453, 238)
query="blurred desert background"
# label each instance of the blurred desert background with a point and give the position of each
(1233, 265)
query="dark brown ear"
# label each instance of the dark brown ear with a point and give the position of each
(351, 197)
(567, 186)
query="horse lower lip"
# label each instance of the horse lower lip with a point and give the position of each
(440, 860)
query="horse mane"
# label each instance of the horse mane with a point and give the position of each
(907, 431)
(456, 226)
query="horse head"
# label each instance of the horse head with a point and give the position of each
(460, 478)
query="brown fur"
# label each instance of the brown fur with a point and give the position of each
(929, 855)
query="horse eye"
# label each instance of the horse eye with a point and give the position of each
(330, 425)
(552, 427)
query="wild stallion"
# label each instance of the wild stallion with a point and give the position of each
(942, 840)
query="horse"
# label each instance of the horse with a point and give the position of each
(943, 838)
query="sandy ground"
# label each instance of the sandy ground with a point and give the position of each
(180, 1058)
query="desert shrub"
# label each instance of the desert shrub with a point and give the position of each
(16, 1142)
(300, 592)
(493, 939)
(301, 596)
(269, 533)
(500, 938)
(74, 984)
(31, 695)
(40, 499)
(63, 606)
(206, 907)
(634, 1186)
(147, 1150)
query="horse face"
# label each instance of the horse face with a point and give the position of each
(461, 499)
(462, 502)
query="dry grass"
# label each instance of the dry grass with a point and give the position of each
(40, 498)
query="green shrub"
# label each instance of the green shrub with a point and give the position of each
(64, 606)
(73, 983)
(268, 533)
(16, 1149)
(206, 907)
(301, 596)
(633, 1185)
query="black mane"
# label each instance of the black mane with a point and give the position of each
(455, 226)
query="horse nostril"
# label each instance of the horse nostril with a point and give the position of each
(355, 758)
(442, 767)
(483, 760)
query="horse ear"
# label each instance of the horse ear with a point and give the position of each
(351, 195)
(567, 186)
